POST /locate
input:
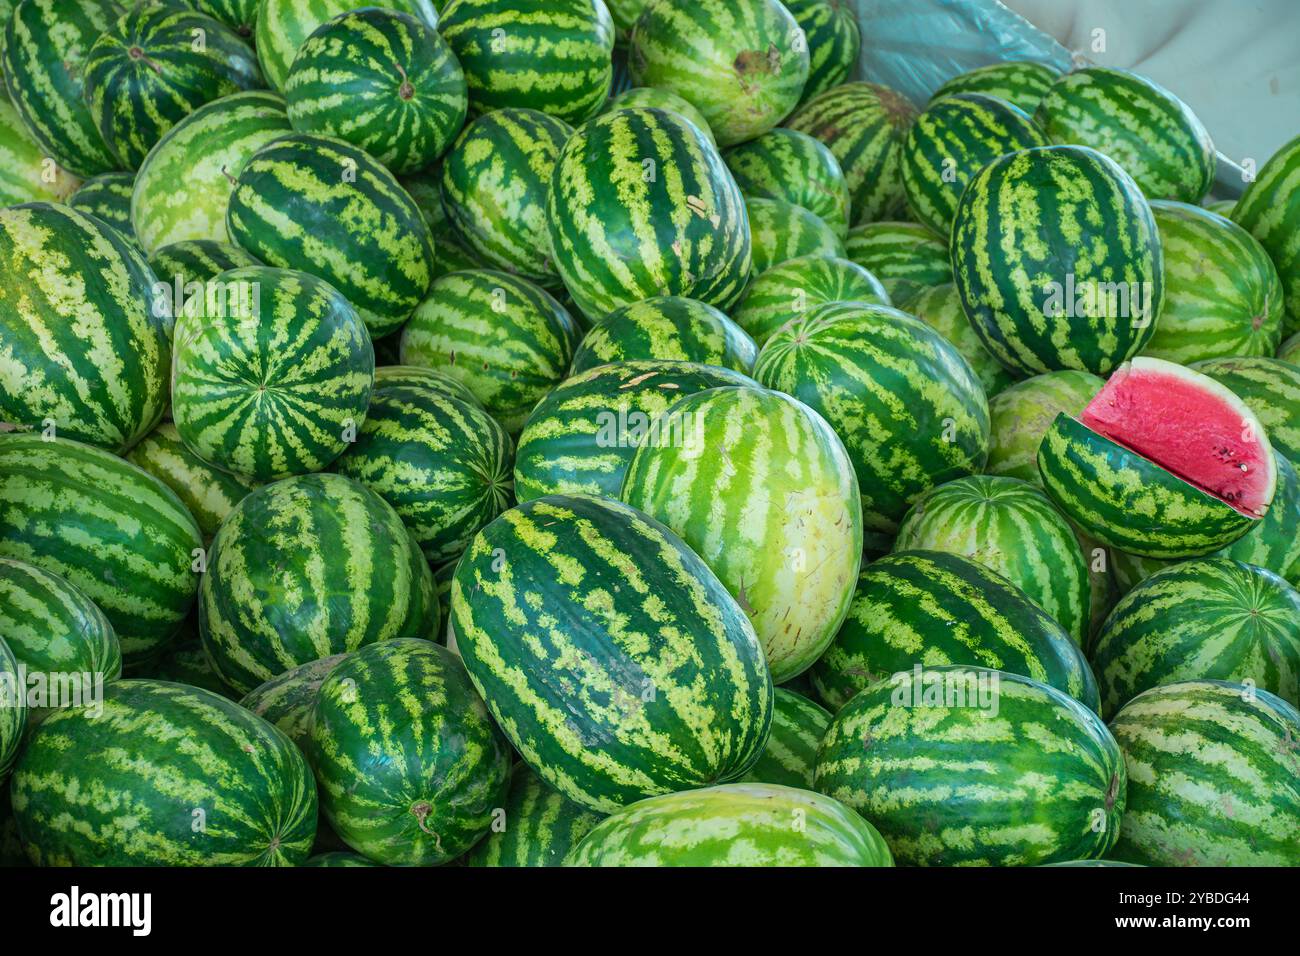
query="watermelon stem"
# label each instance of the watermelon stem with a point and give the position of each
(137, 53)
(406, 90)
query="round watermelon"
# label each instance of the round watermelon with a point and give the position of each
(795, 168)
(1022, 413)
(108, 196)
(830, 31)
(537, 826)
(654, 97)
(790, 757)
(287, 700)
(1022, 83)
(669, 328)
(780, 231)
(388, 376)
(1270, 211)
(906, 257)
(786, 291)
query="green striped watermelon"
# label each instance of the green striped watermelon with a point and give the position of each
(536, 827)
(1270, 211)
(494, 184)
(1139, 124)
(656, 682)
(792, 166)
(906, 257)
(971, 766)
(549, 55)
(669, 328)
(1068, 273)
(184, 185)
(208, 493)
(781, 231)
(653, 97)
(146, 73)
(110, 529)
(939, 306)
(1215, 619)
(389, 376)
(45, 48)
(955, 137)
(830, 30)
(864, 125)
(932, 608)
(26, 173)
(506, 339)
(763, 490)
(295, 205)
(103, 377)
(790, 756)
(270, 600)
(167, 775)
(13, 712)
(1022, 414)
(108, 196)
(742, 63)
(646, 172)
(786, 291)
(1222, 294)
(287, 700)
(383, 81)
(1212, 776)
(338, 858)
(739, 824)
(274, 380)
(409, 763)
(1290, 350)
(1271, 389)
(1021, 83)
(581, 437)
(196, 260)
(907, 406)
(239, 15)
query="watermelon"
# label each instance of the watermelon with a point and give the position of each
(239, 15)
(284, 25)
(763, 490)
(270, 601)
(1222, 294)
(780, 231)
(554, 56)
(1163, 462)
(44, 50)
(1149, 131)
(904, 256)
(208, 493)
(933, 608)
(798, 725)
(1270, 211)
(274, 380)
(183, 187)
(742, 63)
(670, 328)
(444, 465)
(909, 409)
(1290, 350)
(146, 73)
(955, 137)
(292, 206)
(1057, 259)
(830, 30)
(506, 339)
(1022, 413)
(536, 827)
(185, 662)
(287, 700)
(494, 183)
(26, 173)
(581, 436)
(1022, 83)
(102, 378)
(1212, 776)
(939, 306)
(109, 528)
(13, 711)
(786, 291)
(383, 81)
(108, 196)
(655, 682)
(969, 766)
(864, 125)
(653, 97)
(1213, 618)
(422, 789)
(338, 858)
(1271, 389)
(646, 172)
(196, 261)
(388, 376)
(54, 630)
(792, 166)
(167, 775)
(739, 824)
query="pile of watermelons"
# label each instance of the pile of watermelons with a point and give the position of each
(541, 431)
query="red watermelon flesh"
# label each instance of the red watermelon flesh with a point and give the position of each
(1191, 426)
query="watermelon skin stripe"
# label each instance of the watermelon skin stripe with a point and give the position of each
(13, 718)
(289, 200)
(1290, 350)
(960, 786)
(1271, 389)
(393, 376)
(108, 196)
(1270, 211)
(594, 608)
(796, 168)
(1196, 749)
(103, 378)
(162, 759)
(23, 164)
(46, 44)
(737, 825)
(239, 15)
(287, 699)
(541, 826)
(939, 306)
(780, 231)
(654, 97)
(834, 40)
(905, 256)
(110, 529)
(197, 260)
(1020, 83)
(799, 285)
(790, 756)
(668, 328)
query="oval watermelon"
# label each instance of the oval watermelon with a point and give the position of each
(830, 30)
(795, 168)
(26, 173)
(1021, 83)
(1269, 210)
(790, 757)
(939, 306)
(668, 328)
(391, 376)
(906, 257)
(537, 827)
(780, 231)
(108, 196)
(287, 700)
(786, 291)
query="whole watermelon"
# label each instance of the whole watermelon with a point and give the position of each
(1022, 413)
(1270, 211)
(1021, 83)
(906, 257)
(288, 700)
(830, 29)
(790, 757)
(939, 306)
(786, 291)
(780, 231)
(108, 197)
(796, 168)
(537, 826)
(26, 174)
(667, 328)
